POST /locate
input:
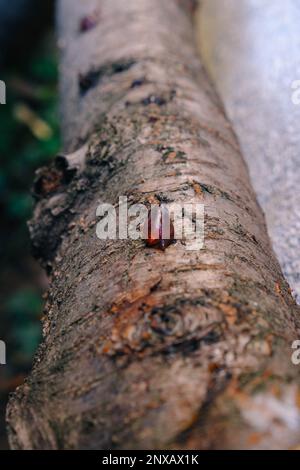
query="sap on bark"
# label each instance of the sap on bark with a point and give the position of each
(89, 22)
(159, 228)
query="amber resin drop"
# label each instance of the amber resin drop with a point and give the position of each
(156, 228)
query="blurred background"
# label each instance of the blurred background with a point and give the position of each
(29, 138)
(251, 48)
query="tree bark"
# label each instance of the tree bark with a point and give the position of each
(144, 348)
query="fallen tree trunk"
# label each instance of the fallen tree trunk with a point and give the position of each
(144, 348)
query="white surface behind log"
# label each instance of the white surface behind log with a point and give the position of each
(252, 51)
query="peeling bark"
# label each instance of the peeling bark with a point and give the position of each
(143, 348)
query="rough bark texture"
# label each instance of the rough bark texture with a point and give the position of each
(143, 348)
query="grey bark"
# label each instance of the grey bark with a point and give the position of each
(144, 348)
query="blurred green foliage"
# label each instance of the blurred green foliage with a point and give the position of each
(34, 84)
(31, 86)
